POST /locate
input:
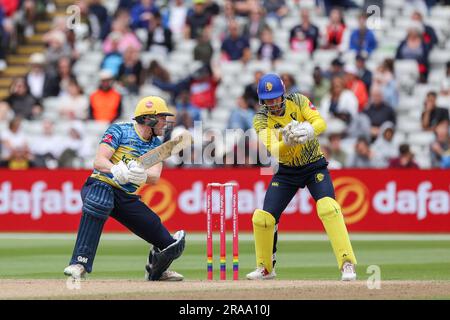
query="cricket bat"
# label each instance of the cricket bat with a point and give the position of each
(165, 150)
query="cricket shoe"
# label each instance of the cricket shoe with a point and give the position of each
(76, 271)
(261, 273)
(167, 275)
(348, 272)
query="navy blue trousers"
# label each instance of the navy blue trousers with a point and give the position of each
(131, 212)
(286, 182)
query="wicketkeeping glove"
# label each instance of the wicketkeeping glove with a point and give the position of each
(303, 132)
(288, 133)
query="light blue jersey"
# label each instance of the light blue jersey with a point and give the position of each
(128, 145)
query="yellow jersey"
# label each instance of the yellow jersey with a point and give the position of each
(268, 127)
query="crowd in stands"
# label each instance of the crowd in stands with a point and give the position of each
(360, 99)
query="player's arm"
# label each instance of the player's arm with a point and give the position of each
(313, 116)
(269, 137)
(154, 173)
(102, 160)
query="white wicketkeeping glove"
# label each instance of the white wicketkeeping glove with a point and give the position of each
(288, 133)
(303, 132)
(137, 174)
(120, 172)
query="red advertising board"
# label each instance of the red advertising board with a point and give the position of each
(372, 200)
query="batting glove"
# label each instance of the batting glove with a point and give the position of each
(137, 174)
(120, 172)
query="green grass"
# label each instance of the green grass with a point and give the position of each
(398, 260)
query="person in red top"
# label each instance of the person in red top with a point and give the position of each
(405, 160)
(335, 29)
(354, 84)
(106, 102)
(203, 88)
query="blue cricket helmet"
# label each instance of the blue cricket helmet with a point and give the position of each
(270, 86)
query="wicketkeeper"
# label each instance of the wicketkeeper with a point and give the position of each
(288, 126)
(109, 192)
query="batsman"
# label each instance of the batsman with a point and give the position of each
(110, 192)
(288, 126)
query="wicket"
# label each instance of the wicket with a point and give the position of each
(209, 229)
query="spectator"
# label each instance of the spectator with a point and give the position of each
(332, 163)
(405, 160)
(203, 50)
(75, 148)
(255, 24)
(16, 152)
(336, 152)
(268, 51)
(440, 148)
(130, 73)
(276, 9)
(362, 40)
(176, 18)
(64, 76)
(159, 39)
(320, 88)
(106, 102)
(329, 5)
(432, 114)
(336, 69)
(57, 49)
(251, 91)
(74, 104)
(379, 112)
(289, 83)
(339, 103)
(197, 19)
(363, 156)
(59, 24)
(46, 148)
(335, 29)
(121, 33)
(113, 59)
(414, 48)
(141, 14)
(203, 88)
(384, 80)
(235, 46)
(385, 148)
(41, 83)
(242, 7)
(363, 73)
(428, 35)
(445, 87)
(242, 116)
(354, 84)
(102, 22)
(21, 102)
(305, 36)
(184, 105)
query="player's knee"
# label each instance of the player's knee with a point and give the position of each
(263, 219)
(99, 201)
(328, 207)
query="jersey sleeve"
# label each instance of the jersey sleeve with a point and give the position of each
(112, 136)
(310, 113)
(268, 136)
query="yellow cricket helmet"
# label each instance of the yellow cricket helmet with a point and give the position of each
(152, 105)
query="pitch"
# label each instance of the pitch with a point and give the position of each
(411, 267)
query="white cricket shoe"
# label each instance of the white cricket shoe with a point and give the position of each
(76, 271)
(167, 275)
(261, 273)
(348, 272)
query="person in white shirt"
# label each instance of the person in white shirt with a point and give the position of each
(74, 105)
